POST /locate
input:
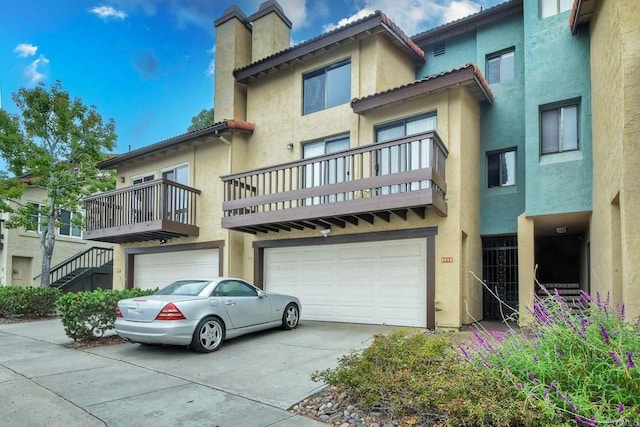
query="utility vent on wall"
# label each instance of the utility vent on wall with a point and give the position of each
(438, 49)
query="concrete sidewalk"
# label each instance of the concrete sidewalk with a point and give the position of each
(44, 383)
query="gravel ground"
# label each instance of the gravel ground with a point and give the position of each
(333, 406)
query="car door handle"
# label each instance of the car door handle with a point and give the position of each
(230, 303)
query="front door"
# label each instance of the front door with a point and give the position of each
(500, 274)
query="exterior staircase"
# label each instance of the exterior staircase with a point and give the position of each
(81, 267)
(570, 293)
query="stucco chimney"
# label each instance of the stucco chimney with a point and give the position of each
(233, 50)
(271, 30)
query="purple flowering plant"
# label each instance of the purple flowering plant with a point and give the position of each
(580, 361)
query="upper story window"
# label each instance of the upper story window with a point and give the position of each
(70, 223)
(179, 174)
(501, 67)
(553, 7)
(325, 172)
(405, 127)
(142, 178)
(37, 221)
(559, 129)
(327, 87)
(501, 169)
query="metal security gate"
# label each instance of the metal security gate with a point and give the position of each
(500, 273)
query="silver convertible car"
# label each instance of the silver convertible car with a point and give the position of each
(201, 313)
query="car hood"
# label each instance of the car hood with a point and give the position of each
(146, 309)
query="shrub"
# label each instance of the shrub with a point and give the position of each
(88, 315)
(581, 364)
(425, 380)
(28, 302)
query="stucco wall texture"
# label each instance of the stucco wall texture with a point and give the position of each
(615, 71)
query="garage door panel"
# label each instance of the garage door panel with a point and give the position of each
(375, 282)
(160, 269)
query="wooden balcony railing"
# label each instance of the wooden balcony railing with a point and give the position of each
(159, 209)
(344, 187)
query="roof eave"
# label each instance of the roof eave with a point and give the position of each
(467, 74)
(469, 23)
(337, 37)
(214, 130)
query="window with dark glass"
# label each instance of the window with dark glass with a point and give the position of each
(559, 129)
(501, 67)
(327, 87)
(36, 219)
(70, 223)
(501, 169)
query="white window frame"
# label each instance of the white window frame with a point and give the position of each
(174, 170)
(410, 159)
(562, 113)
(325, 74)
(326, 172)
(504, 74)
(176, 197)
(39, 220)
(512, 152)
(70, 224)
(554, 7)
(142, 178)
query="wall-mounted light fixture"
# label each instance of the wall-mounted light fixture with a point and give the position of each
(122, 179)
(325, 232)
(163, 241)
(561, 230)
(290, 146)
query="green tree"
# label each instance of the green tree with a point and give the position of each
(203, 119)
(55, 144)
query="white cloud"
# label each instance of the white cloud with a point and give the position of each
(344, 21)
(211, 69)
(108, 12)
(296, 11)
(36, 71)
(413, 16)
(25, 49)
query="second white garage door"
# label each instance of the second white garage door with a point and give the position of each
(159, 269)
(374, 282)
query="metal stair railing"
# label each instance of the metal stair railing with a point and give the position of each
(75, 266)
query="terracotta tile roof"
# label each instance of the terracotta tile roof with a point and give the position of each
(468, 73)
(335, 37)
(225, 126)
(581, 11)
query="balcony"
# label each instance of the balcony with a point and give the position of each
(360, 184)
(155, 210)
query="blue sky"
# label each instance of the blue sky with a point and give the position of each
(148, 63)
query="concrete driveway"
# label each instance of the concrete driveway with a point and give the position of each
(250, 381)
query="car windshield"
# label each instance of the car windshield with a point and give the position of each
(184, 287)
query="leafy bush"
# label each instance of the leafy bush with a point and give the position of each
(88, 315)
(581, 364)
(425, 379)
(28, 302)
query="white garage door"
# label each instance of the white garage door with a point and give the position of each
(376, 282)
(158, 270)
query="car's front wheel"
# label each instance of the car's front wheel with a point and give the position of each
(208, 335)
(290, 317)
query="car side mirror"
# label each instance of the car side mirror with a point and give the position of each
(261, 294)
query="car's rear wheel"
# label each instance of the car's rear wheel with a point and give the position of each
(208, 335)
(290, 317)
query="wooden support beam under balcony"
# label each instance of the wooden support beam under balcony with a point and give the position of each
(156, 210)
(378, 181)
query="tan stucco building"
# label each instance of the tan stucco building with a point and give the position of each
(334, 174)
